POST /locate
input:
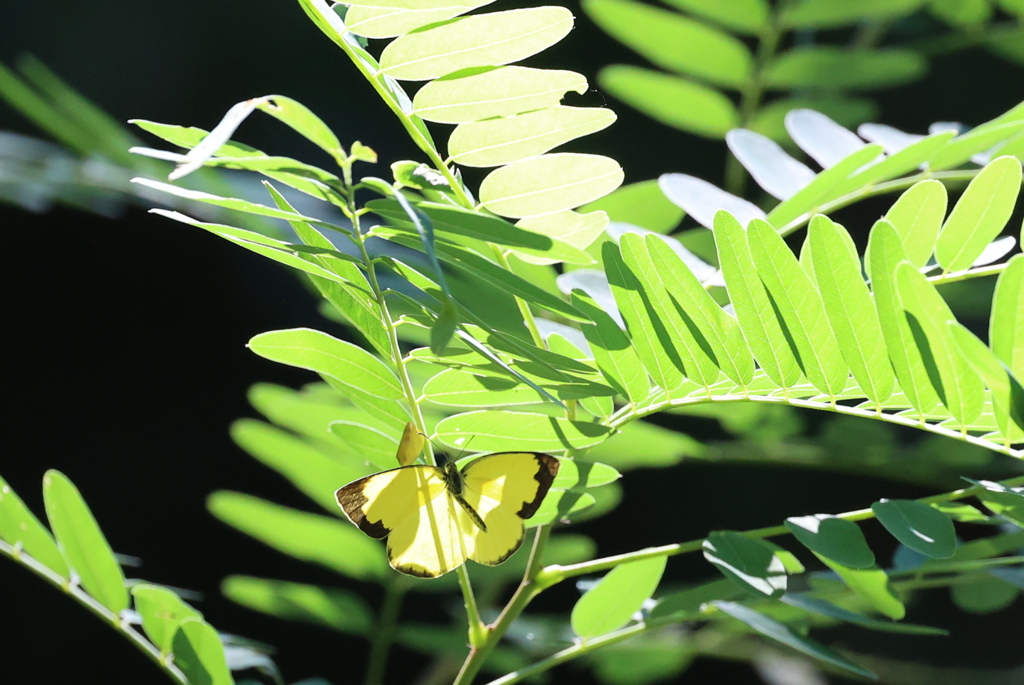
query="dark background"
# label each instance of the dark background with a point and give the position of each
(125, 358)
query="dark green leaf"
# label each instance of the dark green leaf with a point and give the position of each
(918, 526)
(821, 607)
(751, 563)
(832, 537)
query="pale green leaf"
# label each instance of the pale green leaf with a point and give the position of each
(849, 307)
(613, 354)
(549, 183)
(337, 545)
(559, 505)
(761, 330)
(906, 160)
(683, 340)
(641, 204)
(340, 361)
(303, 121)
(816, 14)
(822, 188)
(674, 42)
(310, 411)
(190, 136)
(797, 302)
(455, 388)
(918, 526)
(979, 214)
(751, 563)
(20, 528)
(369, 446)
(336, 608)
(569, 227)
(643, 444)
(162, 612)
(494, 142)
(309, 469)
(199, 653)
(671, 100)
(480, 40)
(993, 373)
(645, 333)
(390, 18)
(957, 384)
(917, 216)
(494, 92)
(583, 474)
(980, 139)
(832, 537)
(871, 585)
(777, 631)
(745, 16)
(611, 603)
(503, 431)
(885, 251)
(85, 548)
(1006, 326)
(844, 68)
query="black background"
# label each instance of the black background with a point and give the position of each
(125, 359)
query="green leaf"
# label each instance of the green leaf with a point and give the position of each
(906, 160)
(683, 340)
(582, 474)
(957, 384)
(309, 469)
(849, 307)
(797, 302)
(753, 564)
(199, 653)
(611, 603)
(817, 14)
(559, 505)
(837, 68)
(456, 388)
(641, 204)
(1003, 500)
(979, 214)
(832, 537)
(917, 216)
(336, 608)
(823, 187)
(776, 631)
(218, 201)
(481, 40)
(566, 228)
(745, 16)
(549, 183)
(1006, 325)
(674, 42)
(370, 445)
(494, 142)
(985, 594)
(1001, 386)
(980, 139)
(761, 330)
(885, 252)
(503, 431)
(494, 92)
(335, 544)
(162, 612)
(362, 376)
(310, 411)
(86, 550)
(390, 18)
(19, 527)
(645, 333)
(686, 604)
(814, 605)
(918, 526)
(613, 354)
(673, 101)
(304, 122)
(967, 14)
(871, 585)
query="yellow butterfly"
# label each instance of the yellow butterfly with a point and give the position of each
(435, 518)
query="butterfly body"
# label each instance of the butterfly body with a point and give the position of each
(435, 518)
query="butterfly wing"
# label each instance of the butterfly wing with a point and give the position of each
(412, 507)
(504, 489)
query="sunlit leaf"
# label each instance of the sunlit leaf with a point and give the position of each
(505, 430)
(746, 16)
(336, 608)
(871, 585)
(642, 204)
(85, 548)
(162, 612)
(751, 563)
(768, 164)
(390, 18)
(818, 14)
(671, 100)
(20, 527)
(834, 538)
(917, 216)
(199, 653)
(549, 183)
(611, 603)
(613, 354)
(837, 68)
(1006, 325)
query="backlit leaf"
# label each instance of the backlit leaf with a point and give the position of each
(336, 608)
(20, 527)
(1006, 325)
(199, 653)
(871, 585)
(549, 183)
(642, 204)
(844, 68)
(917, 216)
(390, 18)
(611, 603)
(162, 612)
(504, 430)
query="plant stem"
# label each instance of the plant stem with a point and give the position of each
(384, 633)
(108, 616)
